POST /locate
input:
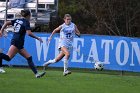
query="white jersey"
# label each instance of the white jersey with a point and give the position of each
(67, 34)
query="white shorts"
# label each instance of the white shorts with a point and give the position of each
(65, 43)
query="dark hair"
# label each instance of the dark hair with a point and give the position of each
(25, 13)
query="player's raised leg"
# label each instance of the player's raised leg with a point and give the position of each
(58, 58)
(11, 53)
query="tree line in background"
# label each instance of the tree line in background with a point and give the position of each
(102, 17)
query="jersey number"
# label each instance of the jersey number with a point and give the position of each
(17, 27)
(68, 35)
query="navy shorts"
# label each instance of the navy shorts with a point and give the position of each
(18, 44)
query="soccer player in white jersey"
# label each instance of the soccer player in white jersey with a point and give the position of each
(67, 32)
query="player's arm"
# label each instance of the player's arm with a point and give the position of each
(77, 32)
(29, 32)
(4, 26)
(32, 35)
(54, 31)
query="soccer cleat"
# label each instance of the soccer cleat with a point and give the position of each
(39, 75)
(66, 72)
(47, 63)
(2, 70)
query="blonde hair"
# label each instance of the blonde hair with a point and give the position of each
(67, 15)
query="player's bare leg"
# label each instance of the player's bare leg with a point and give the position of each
(25, 54)
(11, 53)
(67, 55)
(57, 59)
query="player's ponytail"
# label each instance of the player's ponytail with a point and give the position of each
(25, 13)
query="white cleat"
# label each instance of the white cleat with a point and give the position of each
(66, 72)
(46, 63)
(2, 70)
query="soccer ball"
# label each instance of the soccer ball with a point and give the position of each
(99, 66)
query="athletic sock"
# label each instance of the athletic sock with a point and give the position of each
(31, 65)
(0, 62)
(51, 61)
(5, 57)
(65, 65)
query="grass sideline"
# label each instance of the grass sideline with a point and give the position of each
(22, 80)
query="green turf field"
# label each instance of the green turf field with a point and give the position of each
(21, 80)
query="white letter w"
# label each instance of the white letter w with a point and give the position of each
(40, 46)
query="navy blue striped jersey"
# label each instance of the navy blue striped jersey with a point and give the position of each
(20, 27)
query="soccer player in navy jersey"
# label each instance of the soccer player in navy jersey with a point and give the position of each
(21, 27)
